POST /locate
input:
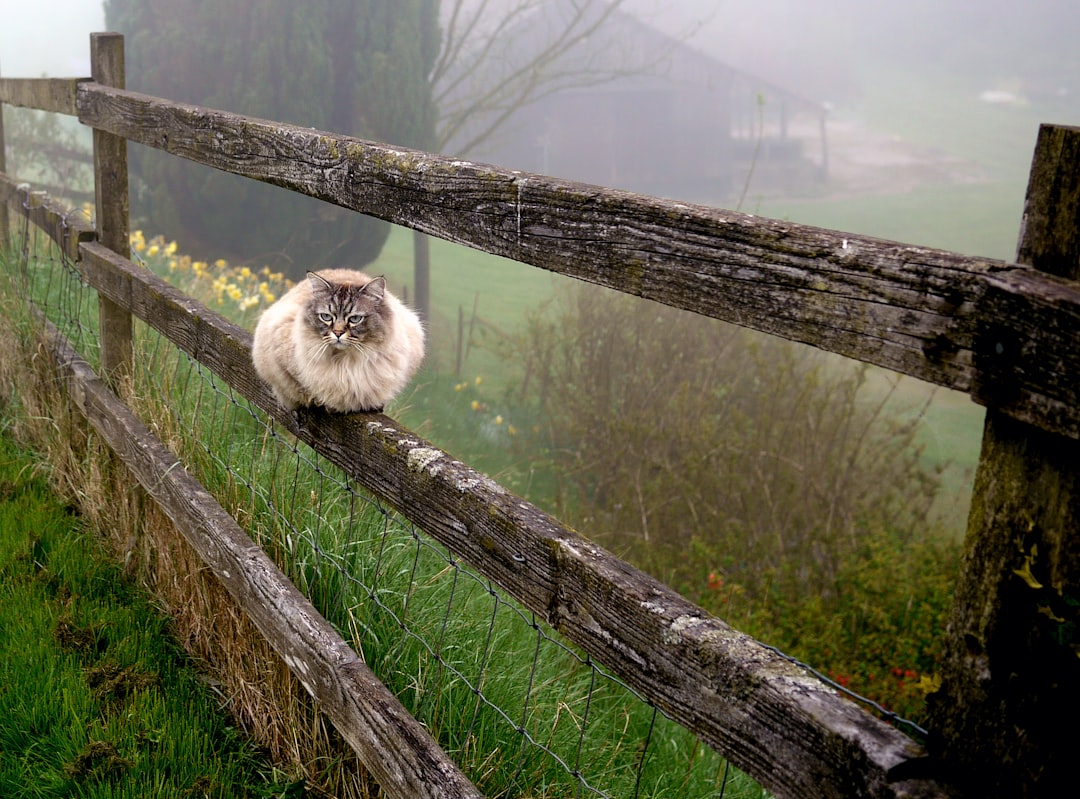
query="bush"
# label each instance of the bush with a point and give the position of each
(715, 457)
(879, 633)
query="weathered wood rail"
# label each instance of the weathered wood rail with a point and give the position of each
(718, 682)
(915, 310)
(1008, 334)
(400, 753)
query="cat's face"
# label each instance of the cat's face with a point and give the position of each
(344, 314)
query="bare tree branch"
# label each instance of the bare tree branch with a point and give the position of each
(482, 77)
(484, 72)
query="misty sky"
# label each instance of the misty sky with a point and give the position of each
(915, 70)
(50, 37)
(820, 49)
(789, 40)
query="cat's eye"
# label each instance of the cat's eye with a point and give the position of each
(326, 318)
(355, 319)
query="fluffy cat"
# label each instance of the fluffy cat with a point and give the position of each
(338, 339)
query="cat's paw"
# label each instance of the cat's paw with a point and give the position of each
(300, 414)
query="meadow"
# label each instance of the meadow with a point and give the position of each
(99, 700)
(972, 205)
(528, 426)
(516, 708)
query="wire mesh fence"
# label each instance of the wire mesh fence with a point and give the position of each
(522, 712)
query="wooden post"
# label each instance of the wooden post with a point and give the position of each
(112, 205)
(5, 229)
(1005, 715)
(422, 275)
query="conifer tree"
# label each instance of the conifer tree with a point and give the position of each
(356, 67)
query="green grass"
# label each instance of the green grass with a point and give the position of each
(972, 218)
(498, 291)
(434, 632)
(978, 219)
(397, 598)
(96, 699)
(964, 218)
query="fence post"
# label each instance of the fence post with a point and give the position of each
(111, 205)
(422, 275)
(1005, 715)
(5, 229)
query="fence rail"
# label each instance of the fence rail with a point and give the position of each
(67, 228)
(1006, 333)
(922, 312)
(400, 752)
(43, 94)
(721, 683)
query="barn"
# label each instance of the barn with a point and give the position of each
(634, 108)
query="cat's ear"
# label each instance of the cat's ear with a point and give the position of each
(318, 281)
(375, 288)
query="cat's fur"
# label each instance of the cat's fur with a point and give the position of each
(338, 339)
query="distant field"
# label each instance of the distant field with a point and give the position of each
(502, 293)
(976, 217)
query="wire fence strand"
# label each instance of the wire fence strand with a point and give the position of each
(521, 711)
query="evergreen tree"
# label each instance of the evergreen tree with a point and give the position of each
(356, 67)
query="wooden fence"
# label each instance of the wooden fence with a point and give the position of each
(1006, 333)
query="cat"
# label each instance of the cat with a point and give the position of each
(338, 339)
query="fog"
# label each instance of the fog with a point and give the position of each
(50, 37)
(930, 111)
(922, 93)
(835, 46)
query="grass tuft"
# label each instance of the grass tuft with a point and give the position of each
(96, 697)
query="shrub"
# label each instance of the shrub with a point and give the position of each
(744, 468)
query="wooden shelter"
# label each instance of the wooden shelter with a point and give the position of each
(634, 108)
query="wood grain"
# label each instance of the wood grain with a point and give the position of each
(395, 747)
(44, 94)
(789, 731)
(913, 310)
(112, 204)
(1011, 672)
